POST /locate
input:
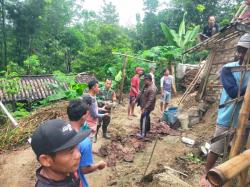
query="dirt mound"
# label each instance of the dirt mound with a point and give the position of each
(13, 137)
(123, 148)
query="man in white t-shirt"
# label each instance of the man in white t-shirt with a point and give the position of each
(167, 85)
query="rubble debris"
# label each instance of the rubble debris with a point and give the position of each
(189, 77)
(164, 176)
(187, 141)
(124, 147)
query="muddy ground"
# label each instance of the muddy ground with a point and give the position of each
(18, 166)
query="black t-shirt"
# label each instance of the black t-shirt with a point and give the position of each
(210, 31)
(70, 181)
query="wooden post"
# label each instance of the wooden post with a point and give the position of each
(13, 121)
(123, 77)
(240, 132)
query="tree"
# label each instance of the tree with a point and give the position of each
(72, 42)
(150, 5)
(4, 36)
(109, 14)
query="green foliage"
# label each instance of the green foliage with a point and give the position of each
(65, 88)
(32, 65)
(20, 111)
(193, 158)
(200, 8)
(163, 54)
(183, 39)
(9, 82)
(109, 14)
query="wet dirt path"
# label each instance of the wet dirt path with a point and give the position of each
(18, 167)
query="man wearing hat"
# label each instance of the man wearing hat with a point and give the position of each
(77, 111)
(134, 91)
(55, 145)
(228, 113)
(147, 101)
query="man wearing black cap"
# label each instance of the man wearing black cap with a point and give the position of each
(147, 101)
(55, 145)
(77, 111)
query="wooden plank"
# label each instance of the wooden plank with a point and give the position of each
(209, 67)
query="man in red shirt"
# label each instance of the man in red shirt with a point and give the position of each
(134, 91)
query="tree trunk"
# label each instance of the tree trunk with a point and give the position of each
(123, 77)
(4, 55)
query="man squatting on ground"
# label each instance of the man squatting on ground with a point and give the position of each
(93, 114)
(167, 85)
(231, 83)
(77, 112)
(134, 91)
(55, 144)
(106, 98)
(146, 101)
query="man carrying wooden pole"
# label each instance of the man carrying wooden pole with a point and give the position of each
(229, 169)
(233, 83)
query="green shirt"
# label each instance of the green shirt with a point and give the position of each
(105, 95)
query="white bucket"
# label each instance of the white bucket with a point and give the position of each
(183, 118)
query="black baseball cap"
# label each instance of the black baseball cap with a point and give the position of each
(148, 76)
(55, 135)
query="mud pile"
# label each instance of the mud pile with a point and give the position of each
(123, 148)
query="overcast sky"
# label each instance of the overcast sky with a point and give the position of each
(127, 9)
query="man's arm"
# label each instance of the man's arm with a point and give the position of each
(151, 98)
(114, 96)
(229, 83)
(161, 85)
(92, 168)
(173, 85)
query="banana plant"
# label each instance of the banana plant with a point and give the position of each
(184, 38)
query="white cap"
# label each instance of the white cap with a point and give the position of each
(244, 41)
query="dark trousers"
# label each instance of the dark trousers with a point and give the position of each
(104, 121)
(145, 123)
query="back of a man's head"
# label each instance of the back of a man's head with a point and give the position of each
(76, 109)
(92, 83)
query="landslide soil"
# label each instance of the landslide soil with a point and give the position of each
(18, 166)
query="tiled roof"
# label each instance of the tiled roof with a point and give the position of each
(37, 87)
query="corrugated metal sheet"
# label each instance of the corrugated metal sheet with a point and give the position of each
(37, 87)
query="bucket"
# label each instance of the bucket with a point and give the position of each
(170, 115)
(184, 120)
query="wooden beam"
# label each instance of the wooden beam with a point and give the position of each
(123, 78)
(4, 109)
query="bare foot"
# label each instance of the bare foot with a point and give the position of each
(133, 115)
(129, 118)
(204, 182)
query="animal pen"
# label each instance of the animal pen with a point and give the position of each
(222, 50)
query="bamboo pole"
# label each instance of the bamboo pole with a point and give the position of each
(205, 80)
(228, 170)
(123, 77)
(191, 86)
(13, 121)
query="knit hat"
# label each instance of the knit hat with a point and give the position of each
(244, 41)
